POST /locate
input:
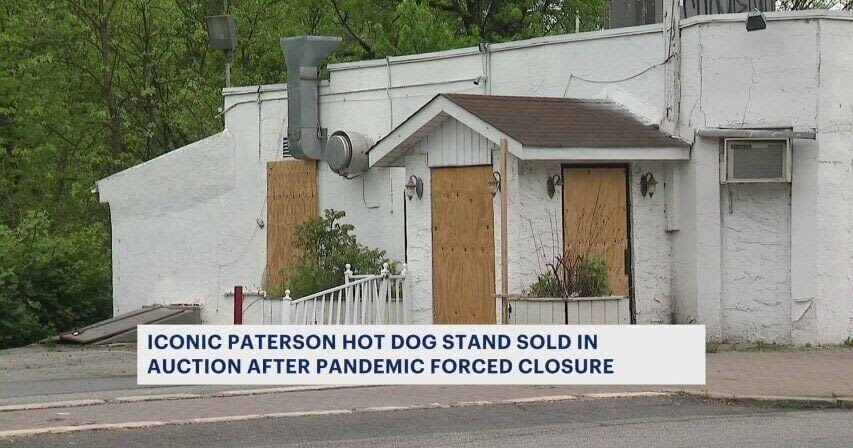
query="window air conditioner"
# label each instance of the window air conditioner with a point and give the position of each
(766, 160)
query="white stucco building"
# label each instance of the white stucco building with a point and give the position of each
(769, 261)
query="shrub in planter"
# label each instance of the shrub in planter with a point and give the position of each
(325, 246)
(584, 276)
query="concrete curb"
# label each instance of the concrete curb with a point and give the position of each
(166, 397)
(50, 404)
(776, 400)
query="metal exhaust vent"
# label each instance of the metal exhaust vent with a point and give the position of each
(285, 148)
(346, 152)
(302, 55)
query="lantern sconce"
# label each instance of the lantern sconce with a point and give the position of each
(553, 182)
(495, 183)
(415, 186)
(647, 184)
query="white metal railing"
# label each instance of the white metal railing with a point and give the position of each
(363, 299)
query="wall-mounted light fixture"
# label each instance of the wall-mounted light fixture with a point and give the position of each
(415, 186)
(495, 183)
(553, 182)
(647, 184)
(755, 21)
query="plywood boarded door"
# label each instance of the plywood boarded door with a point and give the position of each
(463, 247)
(595, 219)
(291, 199)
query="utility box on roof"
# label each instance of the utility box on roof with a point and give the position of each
(624, 13)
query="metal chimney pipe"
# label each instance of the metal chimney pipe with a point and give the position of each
(302, 56)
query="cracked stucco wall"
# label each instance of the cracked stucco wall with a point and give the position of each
(756, 262)
(185, 225)
(833, 270)
(538, 235)
(419, 242)
(794, 74)
(651, 248)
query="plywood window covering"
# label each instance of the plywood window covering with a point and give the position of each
(291, 200)
(463, 254)
(595, 219)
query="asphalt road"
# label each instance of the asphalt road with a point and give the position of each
(621, 422)
(37, 374)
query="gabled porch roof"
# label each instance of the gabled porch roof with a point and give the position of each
(537, 128)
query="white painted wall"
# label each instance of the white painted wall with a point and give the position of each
(191, 232)
(184, 224)
(537, 234)
(756, 262)
(419, 239)
(789, 75)
(651, 248)
(833, 255)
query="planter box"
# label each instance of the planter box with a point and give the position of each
(612, 310)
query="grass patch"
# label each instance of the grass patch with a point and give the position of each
(711, 347)
(762, 346)
(849, 341)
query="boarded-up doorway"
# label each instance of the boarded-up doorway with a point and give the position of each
(463, 248)
(291, 200)
(595, 219)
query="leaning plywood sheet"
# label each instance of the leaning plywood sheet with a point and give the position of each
(291, 200)
(122, 328)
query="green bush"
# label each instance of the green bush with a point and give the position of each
(546, 286)
(51, 280)
(591, 278)
(580, 277)
(325, 246)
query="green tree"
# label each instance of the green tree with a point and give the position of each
(91, 87)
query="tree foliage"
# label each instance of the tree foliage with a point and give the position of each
(91, 87)
(50, 282)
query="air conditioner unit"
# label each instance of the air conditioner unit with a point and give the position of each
(765, 160)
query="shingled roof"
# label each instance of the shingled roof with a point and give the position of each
(564, 122)
(538, 128)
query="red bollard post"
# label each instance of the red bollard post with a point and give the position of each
(238, 305)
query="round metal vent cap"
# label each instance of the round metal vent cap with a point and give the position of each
(338, 153)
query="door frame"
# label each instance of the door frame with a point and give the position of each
(628, 203)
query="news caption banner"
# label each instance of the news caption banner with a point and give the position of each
(413, 354)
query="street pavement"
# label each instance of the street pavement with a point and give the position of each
(615, 422)
(37, 374)
(41, 389)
